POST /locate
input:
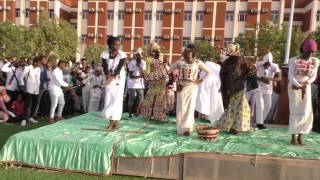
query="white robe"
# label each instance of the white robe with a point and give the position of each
(114, 91)
(95, 93)
(209, 100)
(301, 114)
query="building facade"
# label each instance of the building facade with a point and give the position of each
(172, 23)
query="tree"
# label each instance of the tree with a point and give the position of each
(53, 35)
(205, 51)
(93, 52)
(271, 36)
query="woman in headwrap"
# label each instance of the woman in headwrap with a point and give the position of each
(154, 103)
(302, 72)
(234, 72)
(96, 82)
(113, 61)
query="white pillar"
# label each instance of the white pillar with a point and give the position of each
(133, 27)
(171, 32)
(153, 20)
(257, 27)
(79, 28)
(38, 10)
(193, 20)
(286, 60)
(281, 13)
(213, 33)
(96, 24)
(56, 7)
(22, 12)
(313, 20)
(115, 18)
(4, 10)
(236, 20)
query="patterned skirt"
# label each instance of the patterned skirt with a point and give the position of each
(237, 116)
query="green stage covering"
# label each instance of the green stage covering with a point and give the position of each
(67, 145)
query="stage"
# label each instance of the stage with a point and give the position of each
(139, 148)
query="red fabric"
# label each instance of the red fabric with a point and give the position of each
(310, 45)
(18, 107)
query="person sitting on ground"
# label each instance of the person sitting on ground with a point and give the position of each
(4, 98)
(18, 108)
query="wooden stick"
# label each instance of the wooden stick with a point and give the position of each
(111, 130)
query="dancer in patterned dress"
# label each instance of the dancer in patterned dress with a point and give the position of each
(154, 103)
(233, 74)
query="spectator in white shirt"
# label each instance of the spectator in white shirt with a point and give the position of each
(136, 83)
(56, 93)
(13, 72)
(30, 79)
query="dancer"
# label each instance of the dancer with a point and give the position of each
(136, 82)
(56, 93)
(97, 82)
(187, 89)
(302, 72)
(155, 100)
(113, 61)
(267, 73)
(209, 100)
(233, 74)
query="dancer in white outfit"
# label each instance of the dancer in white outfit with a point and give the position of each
(56, 93)
(267, 73)
(113, 64)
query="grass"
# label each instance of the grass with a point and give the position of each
(24, 173)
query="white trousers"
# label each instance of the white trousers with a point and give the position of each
(263, 106)
(55, 101)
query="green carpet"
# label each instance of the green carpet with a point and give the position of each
(67, 145)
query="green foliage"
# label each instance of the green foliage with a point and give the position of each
(271, 36)
(316, 36)
(93, 52)
(205, 51)
(41, 39)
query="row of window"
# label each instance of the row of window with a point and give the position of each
(27, 13)
(158, 39)
(229, 16)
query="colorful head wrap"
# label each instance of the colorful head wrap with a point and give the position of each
(155, 47)
(139, 51)
(233, 49)
(309, 45)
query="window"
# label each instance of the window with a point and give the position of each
(148, 16)
(242, 16)
(186, 41)
(199, 16)
(188, 16)
(84, 14)
(17, 12)
(84, 38)
(110, 15)
(120, 16)
(159, 16)
(27, 13)
(229, 16)
(227, 41)
(318, 16)
(51, 14)
(146, 40)
(158, 39)
(275, 16)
